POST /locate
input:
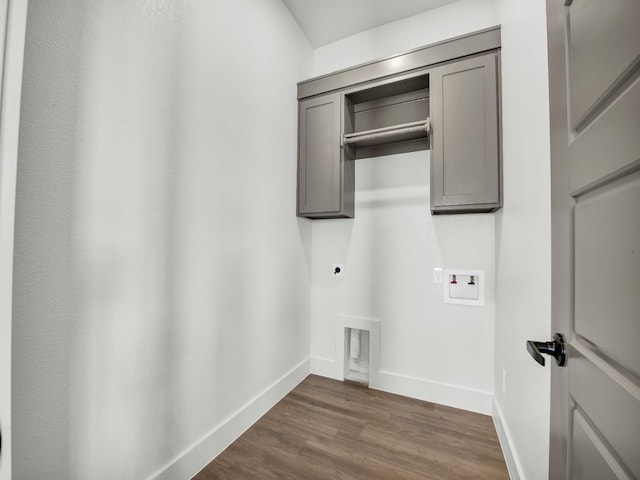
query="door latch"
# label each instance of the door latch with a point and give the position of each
(555, 348)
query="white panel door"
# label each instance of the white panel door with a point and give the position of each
(594, 87)
(13, 15)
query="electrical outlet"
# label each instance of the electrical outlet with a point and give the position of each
(504, 381)
(437, 275)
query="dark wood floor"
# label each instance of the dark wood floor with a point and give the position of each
(325, 429)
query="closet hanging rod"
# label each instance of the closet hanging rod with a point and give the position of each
(395, 133)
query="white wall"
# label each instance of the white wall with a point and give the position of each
(431, 350)
(523, 236)
(431, 26)
(12, 43)
(162, 281)
(161, 276)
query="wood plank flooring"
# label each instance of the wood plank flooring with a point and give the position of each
(331, 430)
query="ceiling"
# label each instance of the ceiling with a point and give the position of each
(325, 21)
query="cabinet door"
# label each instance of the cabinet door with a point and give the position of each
(465, 153)
(324, 183)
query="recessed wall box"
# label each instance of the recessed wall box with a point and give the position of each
(464, 287)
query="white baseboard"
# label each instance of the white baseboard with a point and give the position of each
(444, 394)
(510, 457)
(325, 368)
(194, 458)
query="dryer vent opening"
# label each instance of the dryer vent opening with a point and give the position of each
(356, 355)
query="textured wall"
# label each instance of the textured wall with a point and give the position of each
(523, 235)
(434, 25)
(161, 276)
(12, 35)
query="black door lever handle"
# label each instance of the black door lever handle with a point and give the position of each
(556, 349)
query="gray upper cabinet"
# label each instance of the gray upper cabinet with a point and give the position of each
(325, 170)
(465, 148)
(443, 97)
